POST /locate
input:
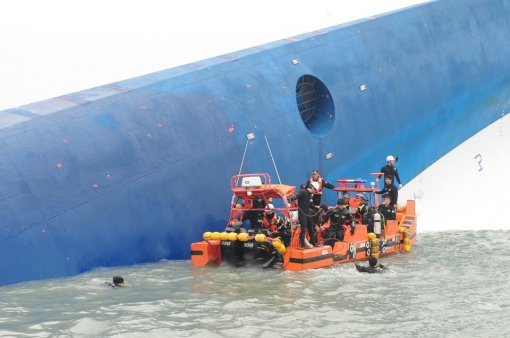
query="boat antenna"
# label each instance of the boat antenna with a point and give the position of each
(244, 155)
(274, 164)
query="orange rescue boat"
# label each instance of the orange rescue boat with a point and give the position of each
(263, 230)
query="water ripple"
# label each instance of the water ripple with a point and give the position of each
(453, 284)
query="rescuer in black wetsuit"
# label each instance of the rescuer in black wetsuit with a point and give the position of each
(372, 267)
(117, 282)
(346, 198)
(390, 170)
(322, 213)
(306, 210)
(255, 216)
(338, 216)
(389, 189)
(365, 212)
(387, 210)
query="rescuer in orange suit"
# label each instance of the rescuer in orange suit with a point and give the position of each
(270, 219)
(316, 177)
(317, 196)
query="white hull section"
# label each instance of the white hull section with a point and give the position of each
(468, 188)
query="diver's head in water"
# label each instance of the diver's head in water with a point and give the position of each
(118, 281)
(372, 261)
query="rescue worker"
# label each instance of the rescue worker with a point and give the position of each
(338, 215)
(320, 232)
(284, 230)
(269, 217)
(372, 266)
(323, 211)
(387, 210)
(306, 211)
(346, 198)
(389, 189)
(365, 212)
(317, 197)
(270, 220)
(254, 215)
(118, 282)
(390, 170)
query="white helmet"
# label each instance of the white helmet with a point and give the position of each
(315, 185)
(269, 208)
(390, 158)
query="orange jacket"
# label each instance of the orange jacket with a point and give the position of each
(319, 192)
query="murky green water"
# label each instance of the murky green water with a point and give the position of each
(453, 284)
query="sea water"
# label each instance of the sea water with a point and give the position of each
(453, 284)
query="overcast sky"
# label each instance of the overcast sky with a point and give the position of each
(54, 47)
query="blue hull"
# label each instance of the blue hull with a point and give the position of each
(135, 171)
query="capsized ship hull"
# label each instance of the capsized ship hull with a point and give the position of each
(135, 171)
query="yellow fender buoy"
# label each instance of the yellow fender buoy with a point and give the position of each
(243, 237)
(279, 247)
(375, 244)
(224, 236)
(260, 238)
(407, 242)
(215, 235)
(372, 236)
(207, 235)
(232, 236)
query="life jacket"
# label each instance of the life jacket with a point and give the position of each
(236, 214)
(319, 192)
(269, 223)
(354, 203)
